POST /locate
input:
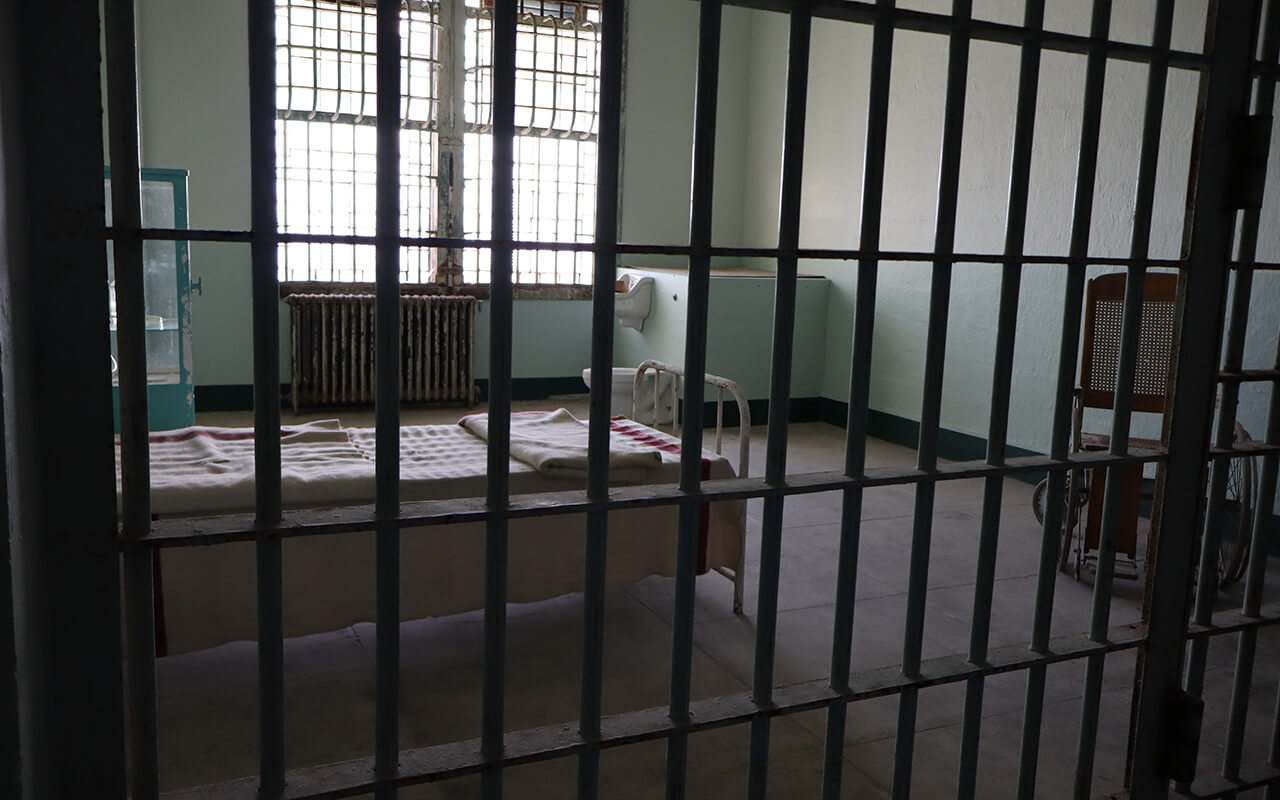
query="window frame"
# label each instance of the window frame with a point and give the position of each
(439, 265)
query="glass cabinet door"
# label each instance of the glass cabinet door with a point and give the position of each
(167, 301)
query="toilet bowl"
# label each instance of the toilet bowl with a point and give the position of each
(623, 385)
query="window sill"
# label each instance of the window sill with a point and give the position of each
(477, 290)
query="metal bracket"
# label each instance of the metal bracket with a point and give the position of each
(1184, 714)
(1249, 167)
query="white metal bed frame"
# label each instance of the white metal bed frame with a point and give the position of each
(738, 573)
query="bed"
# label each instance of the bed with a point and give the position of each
(206, 596)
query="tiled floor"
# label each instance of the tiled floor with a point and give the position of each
(208, 699)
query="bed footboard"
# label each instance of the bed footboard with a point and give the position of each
(738, 573)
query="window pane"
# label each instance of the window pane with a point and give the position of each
(327, 149)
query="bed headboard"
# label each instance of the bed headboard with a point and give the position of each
(722, 385)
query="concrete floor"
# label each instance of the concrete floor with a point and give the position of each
(208, 699)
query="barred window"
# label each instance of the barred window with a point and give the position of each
(326, 136)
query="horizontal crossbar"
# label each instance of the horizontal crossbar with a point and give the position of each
(199, 531)
(457, 759)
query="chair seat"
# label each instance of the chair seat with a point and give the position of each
(1102, 441)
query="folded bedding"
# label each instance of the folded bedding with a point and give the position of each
(206, 469)
(555, 444)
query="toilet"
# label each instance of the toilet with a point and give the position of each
(623, 385)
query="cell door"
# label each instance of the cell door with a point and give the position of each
(1223, 321)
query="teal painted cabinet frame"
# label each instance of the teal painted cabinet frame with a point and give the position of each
(167, 284)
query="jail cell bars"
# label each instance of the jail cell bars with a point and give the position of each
(1229, 71)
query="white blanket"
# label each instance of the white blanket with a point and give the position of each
(555, 444)
(198, 470)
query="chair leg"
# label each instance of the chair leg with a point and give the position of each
(1069, 521)
(739, 581)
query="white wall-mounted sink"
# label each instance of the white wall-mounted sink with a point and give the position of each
(632, 305)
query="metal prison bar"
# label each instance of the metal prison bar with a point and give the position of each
(1224, 87)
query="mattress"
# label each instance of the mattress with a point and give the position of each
(207, 595)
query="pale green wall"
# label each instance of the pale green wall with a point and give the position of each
(662, 337)
(194, 97)
(740, 333)
(194, 101)
(550, 338)
(831, 204)
(658, 134)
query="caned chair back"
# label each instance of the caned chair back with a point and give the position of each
(1103, 315)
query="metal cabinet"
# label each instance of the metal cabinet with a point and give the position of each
(167, 282)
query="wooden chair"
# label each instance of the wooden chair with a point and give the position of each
(1099, 354)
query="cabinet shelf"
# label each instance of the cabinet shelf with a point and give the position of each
(166, 285)
(159, 325)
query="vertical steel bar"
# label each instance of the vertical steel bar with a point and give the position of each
(266, 391)
(917, 594)
(949, 184)
(1264, 103)
(386, 365)
(930, 414)
(135, 455)
(1113, 496)
(859, 393)
(1207, 590)
(608, 159)
(1254, 581)
(495, 584)
(1222, 106)
(65, 671)
(695, 364)
(1157, 80)
(1055, 516)
(1273, 754)
(784, 316)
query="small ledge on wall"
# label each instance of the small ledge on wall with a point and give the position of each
(480, 291)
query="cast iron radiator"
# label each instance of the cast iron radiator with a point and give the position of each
(333, 349)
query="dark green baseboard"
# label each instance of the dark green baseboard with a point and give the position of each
(802, 409)
(239, 397)
(957, 446)
(535, 388)
(228, 397)
(952, 445)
